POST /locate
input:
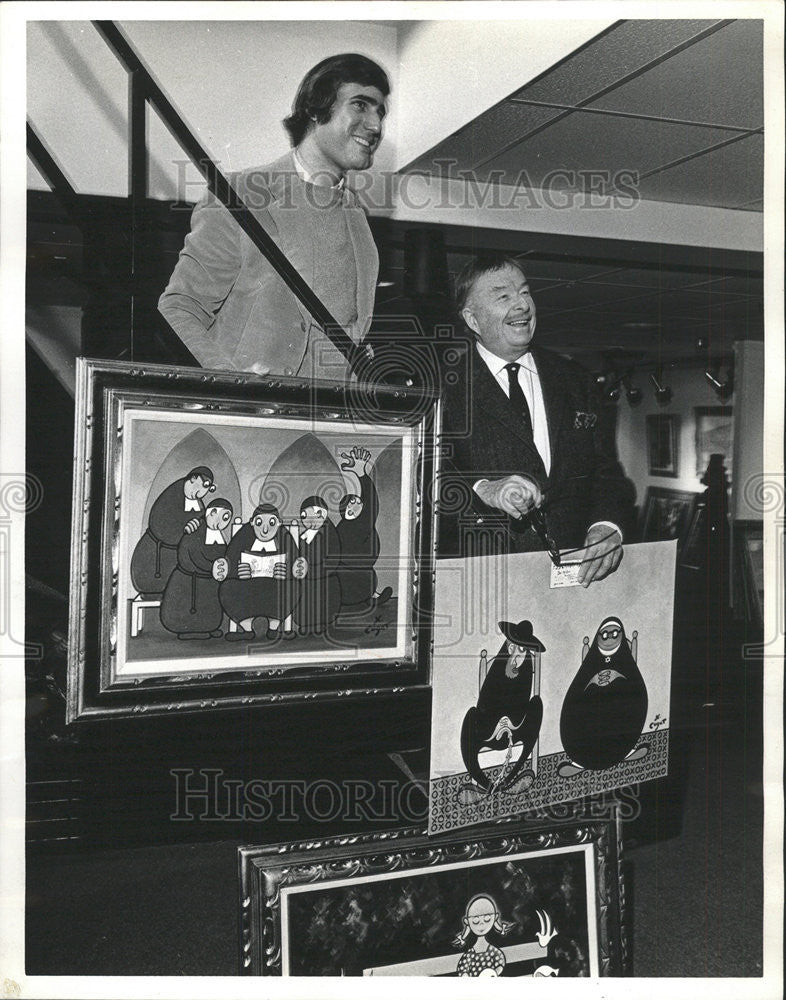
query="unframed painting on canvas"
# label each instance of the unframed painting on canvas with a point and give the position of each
(544, 694)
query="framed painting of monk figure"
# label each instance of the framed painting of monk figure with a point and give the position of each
(514, 899)
(241, 539)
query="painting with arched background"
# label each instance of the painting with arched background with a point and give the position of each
(285, 538)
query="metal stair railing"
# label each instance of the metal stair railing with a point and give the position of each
(143, 90)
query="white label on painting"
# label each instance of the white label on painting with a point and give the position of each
(565, 575)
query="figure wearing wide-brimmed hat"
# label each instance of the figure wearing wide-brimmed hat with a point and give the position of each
(507, 715)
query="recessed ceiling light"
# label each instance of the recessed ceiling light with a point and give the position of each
(640, 326)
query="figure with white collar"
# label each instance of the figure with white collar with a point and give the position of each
(180, 506)
(320, 590)
(605, 707)
(258, 576)
(190, 606)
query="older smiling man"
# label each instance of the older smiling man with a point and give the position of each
(522, 436)
(226, 301)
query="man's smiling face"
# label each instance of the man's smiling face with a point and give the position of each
(265, 526)
(196, 487)
(501, 312)
(349, 139)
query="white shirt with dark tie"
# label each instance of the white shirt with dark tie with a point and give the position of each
(529, 380)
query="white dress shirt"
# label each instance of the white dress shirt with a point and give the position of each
(213, 536)
(191, 503)
(305, 175)
(530, 386)
(529, 380)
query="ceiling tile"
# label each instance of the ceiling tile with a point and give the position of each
(659, 309)
(744, 285)
(561, 270)
(717, 81)
(623, 50)
(581, 295)
(489, 132)
(656, 277)
(586, 142)
(730, 177)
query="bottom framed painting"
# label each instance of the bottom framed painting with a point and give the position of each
(667, 514)
(504, 900)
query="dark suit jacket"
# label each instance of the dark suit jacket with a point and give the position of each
(482, 439)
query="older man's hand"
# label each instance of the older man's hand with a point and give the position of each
(601, 555)
(515, 495)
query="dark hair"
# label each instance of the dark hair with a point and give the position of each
(203, 472)
(221, 502)
(314, 501)
(265, 508)
(476, 268)
(318, 89)
(345, 502)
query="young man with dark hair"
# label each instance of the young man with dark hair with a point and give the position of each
(226, 301)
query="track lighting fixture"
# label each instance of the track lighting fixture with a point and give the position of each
(723, 390)
(609, 384)
(663, 393)
(632, 392)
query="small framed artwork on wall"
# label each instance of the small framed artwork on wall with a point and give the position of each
(667, 514)
(714, 425)
(663, 444)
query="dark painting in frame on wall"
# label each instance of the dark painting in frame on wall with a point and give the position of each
(663, 431)
(508, 899)
(714, 431)
(748, 584)
(667, 514)
(216, 559)
(693, 552)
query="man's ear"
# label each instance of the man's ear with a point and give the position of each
(469, 318)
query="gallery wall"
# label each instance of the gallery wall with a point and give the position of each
(691, 389)
(746, 496)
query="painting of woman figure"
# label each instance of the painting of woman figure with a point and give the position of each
(481, 958)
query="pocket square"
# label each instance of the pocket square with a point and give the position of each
(584, 421)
